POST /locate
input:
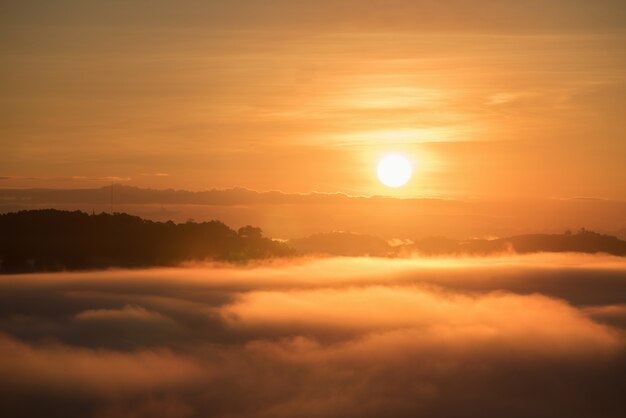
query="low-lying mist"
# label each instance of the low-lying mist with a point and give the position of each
(515, 336)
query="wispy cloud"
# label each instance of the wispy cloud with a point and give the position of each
(155, 174)
(102, 178)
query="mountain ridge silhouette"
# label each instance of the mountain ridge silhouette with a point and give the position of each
(54, 240)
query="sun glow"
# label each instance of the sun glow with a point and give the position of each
(394, 170)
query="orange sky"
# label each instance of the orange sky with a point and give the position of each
(487, 98)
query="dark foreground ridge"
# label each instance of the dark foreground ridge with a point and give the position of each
(53, 240)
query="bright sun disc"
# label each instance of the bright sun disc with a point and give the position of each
(394, 170)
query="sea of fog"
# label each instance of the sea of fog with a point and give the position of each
(518, 336)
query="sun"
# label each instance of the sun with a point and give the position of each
(394, 170)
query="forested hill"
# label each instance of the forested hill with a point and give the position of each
(350, 244)
(49, 240)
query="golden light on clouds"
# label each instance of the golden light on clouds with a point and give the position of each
(402, 338)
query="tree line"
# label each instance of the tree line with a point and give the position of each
(53, 240)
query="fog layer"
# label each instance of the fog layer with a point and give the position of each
(531, 336)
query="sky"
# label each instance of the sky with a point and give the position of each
(485, 98)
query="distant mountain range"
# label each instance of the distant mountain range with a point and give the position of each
(121, 194)
(50, 240)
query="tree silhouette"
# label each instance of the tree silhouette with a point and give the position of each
(54, 240)
(250, 232)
